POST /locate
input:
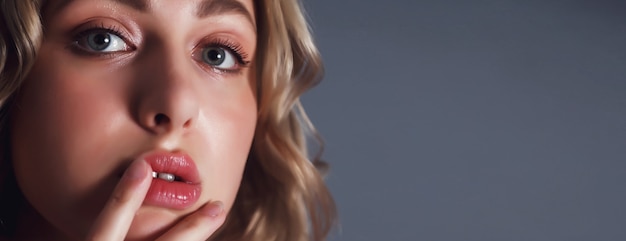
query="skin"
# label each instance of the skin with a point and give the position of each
(82, 119)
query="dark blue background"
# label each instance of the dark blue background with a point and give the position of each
(474, 120)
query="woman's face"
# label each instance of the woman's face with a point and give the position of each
(117, 80)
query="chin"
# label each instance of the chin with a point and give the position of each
(150, 223)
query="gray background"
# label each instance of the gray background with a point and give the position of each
(474, 120)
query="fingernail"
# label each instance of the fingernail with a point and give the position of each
(136, 171)
(216, 208)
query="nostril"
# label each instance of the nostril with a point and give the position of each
(161, 119)
(187, 124)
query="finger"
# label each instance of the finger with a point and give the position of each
(115, 219)
(200, 225)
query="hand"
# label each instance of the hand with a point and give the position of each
(116, 217)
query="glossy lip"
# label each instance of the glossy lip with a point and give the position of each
(175, 195)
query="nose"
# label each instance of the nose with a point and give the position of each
(165, 98)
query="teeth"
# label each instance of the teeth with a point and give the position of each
(165, 176)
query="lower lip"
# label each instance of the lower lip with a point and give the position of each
(174, 195)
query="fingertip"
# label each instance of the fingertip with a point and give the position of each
(137, 171)
(213, 209)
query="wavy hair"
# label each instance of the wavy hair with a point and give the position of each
(21, 34)
(282, 196)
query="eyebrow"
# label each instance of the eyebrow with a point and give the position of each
(139, 5)
(205, 8)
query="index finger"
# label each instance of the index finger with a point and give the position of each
(116, 217)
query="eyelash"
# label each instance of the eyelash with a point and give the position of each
(232, 47)
(100, 27)
(228, 45)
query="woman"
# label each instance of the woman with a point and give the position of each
(158, 119)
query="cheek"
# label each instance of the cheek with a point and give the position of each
(60, 132)
(229, 124)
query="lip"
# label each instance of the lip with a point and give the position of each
(175, 195)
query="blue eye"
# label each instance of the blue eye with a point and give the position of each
(102, 40)
(219, 57)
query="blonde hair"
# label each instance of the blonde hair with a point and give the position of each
(282, 195)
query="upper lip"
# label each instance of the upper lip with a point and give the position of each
(180, 164)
